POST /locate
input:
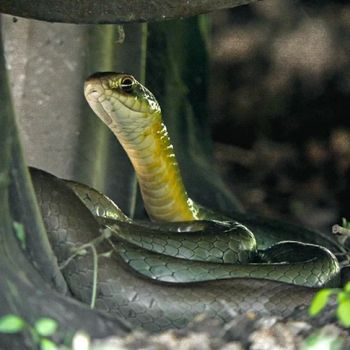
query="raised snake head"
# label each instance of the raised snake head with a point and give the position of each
(122, 103)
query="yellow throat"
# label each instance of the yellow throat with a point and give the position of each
(133, 115)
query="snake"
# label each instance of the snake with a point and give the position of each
(187, 259)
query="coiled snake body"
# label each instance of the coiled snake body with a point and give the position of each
(161, 275)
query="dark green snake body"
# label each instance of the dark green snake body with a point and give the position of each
(162, 274)
(130, 279)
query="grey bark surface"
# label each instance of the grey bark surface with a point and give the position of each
(46, 78)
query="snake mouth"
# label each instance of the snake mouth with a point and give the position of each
(93, 87)
(94, 91)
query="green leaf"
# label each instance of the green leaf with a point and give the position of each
(320, 340)
(345, 223)
(319, 301)
(20, 233)
(11, 324)
(46, 326)
(47, 344)
(343, 313)
(347, 287)
(342, 297)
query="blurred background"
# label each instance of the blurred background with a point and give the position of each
(280, 101)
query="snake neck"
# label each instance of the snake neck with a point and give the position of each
(157, 171)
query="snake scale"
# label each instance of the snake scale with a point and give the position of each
(188, 259)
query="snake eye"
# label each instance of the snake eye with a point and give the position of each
(127, 84)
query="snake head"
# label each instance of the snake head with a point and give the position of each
(121, 101)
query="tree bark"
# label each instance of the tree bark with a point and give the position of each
(27, 290)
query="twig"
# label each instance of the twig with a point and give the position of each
(82, 249)
(94, 280)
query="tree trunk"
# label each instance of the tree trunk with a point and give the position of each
(31, 288)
